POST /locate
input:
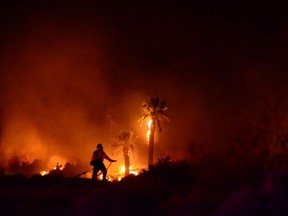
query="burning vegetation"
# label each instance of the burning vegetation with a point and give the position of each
(153, 113)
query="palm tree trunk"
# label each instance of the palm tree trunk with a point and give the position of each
(151, 144)
(127, 164)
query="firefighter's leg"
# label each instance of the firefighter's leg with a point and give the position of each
(104, 171)
(94, 175)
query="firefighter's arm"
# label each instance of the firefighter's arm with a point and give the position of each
(107, 158)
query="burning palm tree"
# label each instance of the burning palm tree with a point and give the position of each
(154, 114)
(125, 141)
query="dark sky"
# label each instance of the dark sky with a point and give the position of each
(74, 73)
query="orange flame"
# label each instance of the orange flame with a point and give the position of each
(43, 173)
(57, 167)
(59, 161)
(149, 123)
(131, 170)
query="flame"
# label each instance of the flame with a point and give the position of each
(131, 170)
(43, 173)
(149, 123)
(57, 167)
(54, 159)
(123, 169)
(134, 172)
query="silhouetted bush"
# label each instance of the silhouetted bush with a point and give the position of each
(17, 165)
(170, 170)
(73, 169)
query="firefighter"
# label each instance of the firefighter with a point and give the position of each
(97, 161)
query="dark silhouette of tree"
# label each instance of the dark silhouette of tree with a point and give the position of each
(125, 141)
(155, 110)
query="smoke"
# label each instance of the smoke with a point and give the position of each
(54, 96)
(73, 78)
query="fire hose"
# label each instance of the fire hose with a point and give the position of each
(80, 174)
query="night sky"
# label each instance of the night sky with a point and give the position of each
(75, 73)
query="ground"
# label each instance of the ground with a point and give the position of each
(168, 189)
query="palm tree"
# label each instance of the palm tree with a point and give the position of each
(125, 141)
(154, 110)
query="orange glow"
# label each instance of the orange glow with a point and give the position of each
(43, 173)
(122, 169)
(59, 161)
(58, 167)
(122, 172)
(149, 123)
(56, 162)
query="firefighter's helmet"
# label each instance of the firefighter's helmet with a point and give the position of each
(99, 145)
